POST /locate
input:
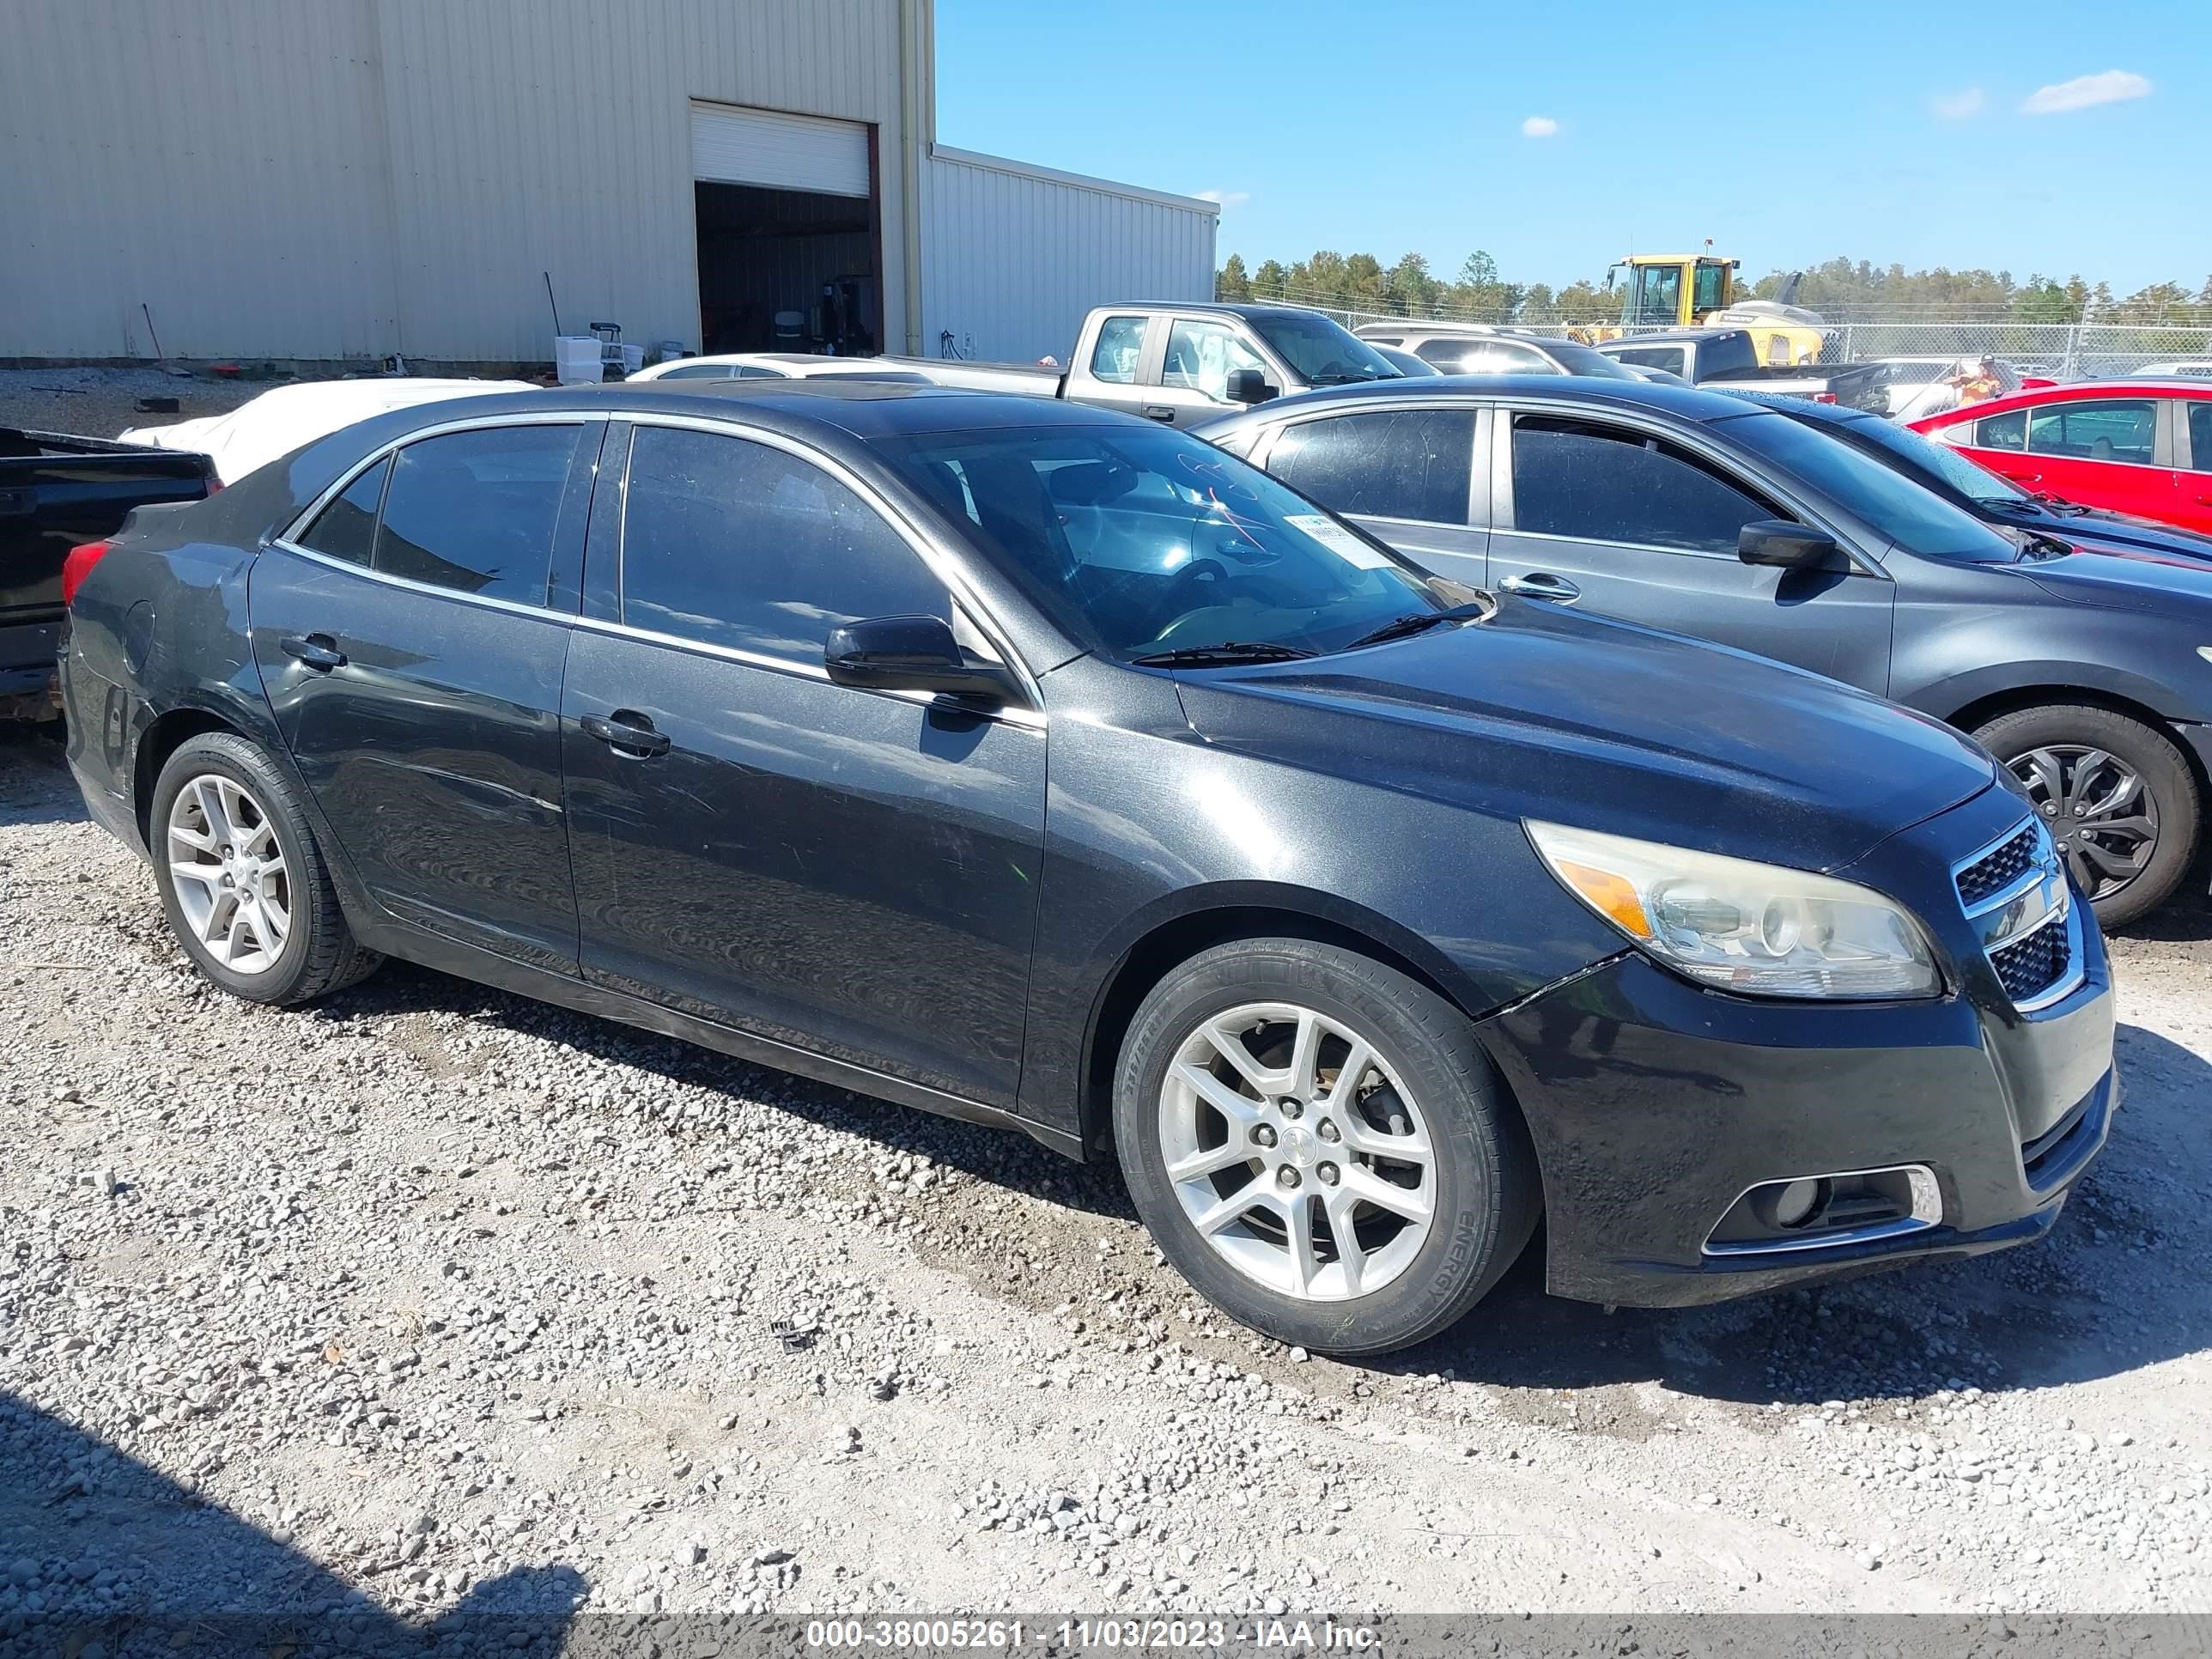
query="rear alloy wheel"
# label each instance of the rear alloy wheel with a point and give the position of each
(2117, 797)
(1318, 1144)
(244, 883)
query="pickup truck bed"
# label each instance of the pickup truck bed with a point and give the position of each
(56, 491)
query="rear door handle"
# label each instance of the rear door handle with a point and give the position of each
(627, 732)
(1542, 585)
(317, 651)
(1158, 412)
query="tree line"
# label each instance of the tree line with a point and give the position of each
(1360, 282)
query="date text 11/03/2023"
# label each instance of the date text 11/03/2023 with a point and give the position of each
(1215, 1636)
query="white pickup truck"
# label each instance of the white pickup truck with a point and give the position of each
(1181, 363)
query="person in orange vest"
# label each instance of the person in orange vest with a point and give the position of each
(1976, 379)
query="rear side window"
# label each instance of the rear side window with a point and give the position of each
(1605, 484)
(2003, 431)
(1121, 345)
(2200, 436)
(2117, 430)
(736, 543)
(1411, 464)
(476, 511)
(346, 529)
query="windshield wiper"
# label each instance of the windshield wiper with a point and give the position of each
(1215, 656)
(1421, 621)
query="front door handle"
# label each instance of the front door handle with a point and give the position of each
(628, 732)
(1158, 412)
(317, 651)
(1542, 585)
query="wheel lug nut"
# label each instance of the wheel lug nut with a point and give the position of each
(1265, 1134)
(1327, 1130)
(1294, 1109)
(1289, 1177)
(1328, 1173)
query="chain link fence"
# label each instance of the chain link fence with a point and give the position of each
(2063, 351)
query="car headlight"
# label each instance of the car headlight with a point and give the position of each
(1757, 928)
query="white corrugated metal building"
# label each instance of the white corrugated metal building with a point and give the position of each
(341, 179)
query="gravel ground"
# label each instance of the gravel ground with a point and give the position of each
(430, 1297)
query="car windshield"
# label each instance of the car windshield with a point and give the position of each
(1917, 520)
(1321, 351)
(1140, 542)
(1898, 446)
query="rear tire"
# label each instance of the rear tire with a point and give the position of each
(242, 880)
(2099, 768)
(1307, 1097)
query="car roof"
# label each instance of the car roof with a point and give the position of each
(858, 407)
(1684, 402)
(1813, 414)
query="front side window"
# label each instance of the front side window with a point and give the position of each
(1320, 349)
(2002, 431)
(1603, 483)
(1121, 348)
(346, 529)
(1201, 356)
(2119, 429)
(476, 511)
(736, 543)
(1140, 542)
(1654, 297)
(1412, 463)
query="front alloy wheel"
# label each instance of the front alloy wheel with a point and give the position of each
(1318, 1144)
(2101, 819)
(1295, 1151)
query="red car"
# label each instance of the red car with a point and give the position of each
(2139, 446)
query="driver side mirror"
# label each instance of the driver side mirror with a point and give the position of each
(1249, 386)
(1778, 542)
(911, 654)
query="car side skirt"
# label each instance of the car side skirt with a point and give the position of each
(429, 950)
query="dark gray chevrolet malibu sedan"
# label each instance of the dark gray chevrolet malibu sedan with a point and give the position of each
(1047, 767)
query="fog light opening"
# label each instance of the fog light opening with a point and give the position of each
(1798, 1202)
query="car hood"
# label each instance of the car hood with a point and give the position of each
(2096, 528)
(1539, 712)
(2126, 578)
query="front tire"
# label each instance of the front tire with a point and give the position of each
(2117, 796)
(1319, 1145)
(242, 880)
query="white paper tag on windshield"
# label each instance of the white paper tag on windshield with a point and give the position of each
(1339, 540)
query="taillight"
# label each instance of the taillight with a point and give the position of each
(77, 564)
(1824, 396)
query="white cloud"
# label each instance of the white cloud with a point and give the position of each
(2086, 92)
(1959, 105)
(1226, 198)
(1539, 126)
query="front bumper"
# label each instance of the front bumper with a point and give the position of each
(1653, 1104)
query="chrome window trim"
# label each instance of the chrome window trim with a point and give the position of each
(944, 565)
(1927, 1212)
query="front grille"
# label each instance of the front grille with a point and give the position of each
(1996, 871)
(2028, 967)
(2015, 895)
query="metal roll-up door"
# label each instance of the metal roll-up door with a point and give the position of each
(734, 146)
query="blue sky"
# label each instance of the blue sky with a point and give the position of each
(1883, 131)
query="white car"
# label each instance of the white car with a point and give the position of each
(2185, 368)
(774, 366)
(282, 418)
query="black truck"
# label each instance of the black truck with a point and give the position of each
(57, 491)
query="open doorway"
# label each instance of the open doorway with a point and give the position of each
(786, 270)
